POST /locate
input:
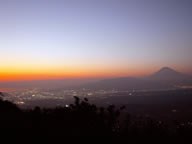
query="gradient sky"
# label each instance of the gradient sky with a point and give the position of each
(51, 39)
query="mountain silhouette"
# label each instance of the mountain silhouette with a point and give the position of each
(165, 78)
(166, 73)
(170, 76)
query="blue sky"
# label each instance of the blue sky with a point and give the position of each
(102, 35)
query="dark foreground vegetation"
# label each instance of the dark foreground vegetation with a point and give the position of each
(83, 121)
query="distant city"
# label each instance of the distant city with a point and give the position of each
(103, 92)
(22, 96)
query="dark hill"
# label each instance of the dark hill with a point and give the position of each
(126, 84)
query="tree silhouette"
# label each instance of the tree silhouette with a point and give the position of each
(81, 120)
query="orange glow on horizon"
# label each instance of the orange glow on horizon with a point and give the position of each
(16, 75)
(66, 72)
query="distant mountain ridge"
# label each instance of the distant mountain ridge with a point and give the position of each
(165, 78)
(168, 75)
(126, 84)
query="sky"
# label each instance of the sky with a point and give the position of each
(55, 39)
